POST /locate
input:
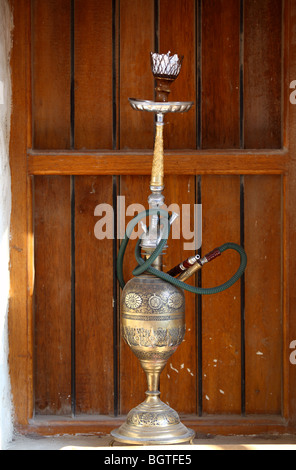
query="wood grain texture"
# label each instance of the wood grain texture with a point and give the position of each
(180, 17)
(52, 295)
(262, 73)
(269, 200)
(93, 297)
(136, 80)
(290, 222)
(221, 322)
(93, 74)
(222, 425)
(139, 162)
(263, 281)
(20, 316)
(51, 66)
(93, 257)
(220, 73)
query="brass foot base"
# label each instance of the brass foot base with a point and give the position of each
(153, 423)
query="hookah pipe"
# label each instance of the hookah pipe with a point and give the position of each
(165, 69)
(153, 311)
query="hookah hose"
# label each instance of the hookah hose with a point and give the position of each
(146, 265)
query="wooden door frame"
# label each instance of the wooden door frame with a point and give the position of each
(25, 164)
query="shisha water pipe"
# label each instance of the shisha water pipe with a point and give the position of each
(153, 302)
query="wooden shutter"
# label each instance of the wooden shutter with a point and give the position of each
(76, 143)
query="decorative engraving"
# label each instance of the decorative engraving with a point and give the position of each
(133, 300)
(154, 354)
(150, 298)
(153, 419)
(175, 301)
(157, 164)
(155, 302)
(150, 317)
(160, 337)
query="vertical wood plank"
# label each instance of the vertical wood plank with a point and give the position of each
(177, 34)
(93, 296)
(20, 317)
(52, 295)
(262, 73)
(51, 64)
(51, 74)
(136, 80)
(221, 348)
(93, 257)
(290, 221)
(221, 313)
(93, 74)
(220, 73)
(263, 310)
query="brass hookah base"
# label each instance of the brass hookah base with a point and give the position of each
(153, 310)
(153, 325)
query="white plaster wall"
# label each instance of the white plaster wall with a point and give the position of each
(6, 426)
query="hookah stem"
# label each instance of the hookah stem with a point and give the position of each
(156, 182)
(157, 165)
(146, 265)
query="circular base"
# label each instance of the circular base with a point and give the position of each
(146, 440)
(153, 423)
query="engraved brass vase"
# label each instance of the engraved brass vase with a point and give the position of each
(153, 325)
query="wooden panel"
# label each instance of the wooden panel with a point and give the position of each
(290, 222)
(93, 74)
(262, 73)
(52, 295)
(93, 297)
(263, 230)
(204, 426)
(221, 322)
(180, 17)
(136, 80)
(20, 315)
(263, 309)
(220, 73)
(93, 257)
(186, 162)
(51, 130)
(51, 74)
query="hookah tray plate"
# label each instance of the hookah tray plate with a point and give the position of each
(161, 107)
